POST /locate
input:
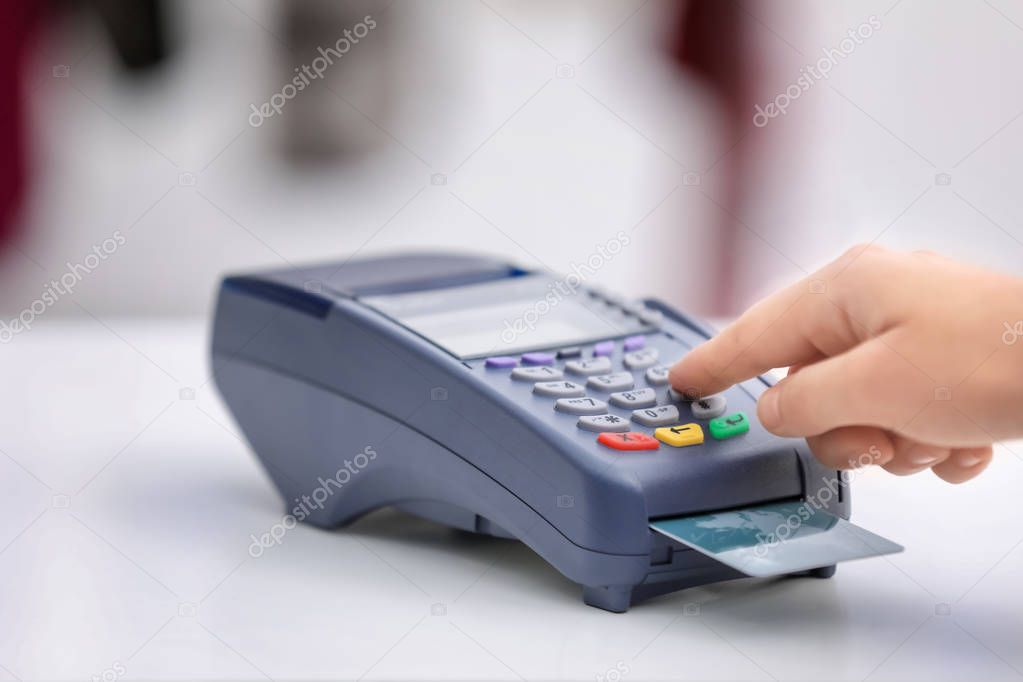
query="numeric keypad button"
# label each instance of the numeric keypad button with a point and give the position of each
(542, 373)
(559, 389)
(604, 423)
(580, 406)
(640, 397)
(656, 416)
(618, 381)
(641, 359)
(679, 396)
(657, 376)
(589, 367)
(709, 407)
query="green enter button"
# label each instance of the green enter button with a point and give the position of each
(729, 425)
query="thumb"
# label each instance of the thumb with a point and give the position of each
(869, 385)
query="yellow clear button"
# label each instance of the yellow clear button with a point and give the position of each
(680, 435)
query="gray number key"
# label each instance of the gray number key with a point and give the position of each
(640, 359)
(584, 405)
(604, 422)
(656, 416)
(619, 381)
(679, 397)
(641, 397)
(709, 407)
(657, 376)
(559, 389)
(542, 373)
(589, 367)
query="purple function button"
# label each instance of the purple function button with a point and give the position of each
(604, 348)
(538, 358)
(634, 342)
(502, 362)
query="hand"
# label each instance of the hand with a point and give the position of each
(909, 361)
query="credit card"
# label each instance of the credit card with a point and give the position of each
(775, 539)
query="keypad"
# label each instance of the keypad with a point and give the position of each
(603, 423)
(641, 359)
(709, 407)
(536, 373)
(642, 397)
(618, 381)
(585, 368)
(608, 403)
(662, 415)
(585, 405)
(559, 389)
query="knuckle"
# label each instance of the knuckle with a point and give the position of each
(869, 264)
(866, 250)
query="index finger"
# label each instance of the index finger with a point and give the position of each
(795, 325)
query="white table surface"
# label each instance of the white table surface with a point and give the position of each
(127, 510)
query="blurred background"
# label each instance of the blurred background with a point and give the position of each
(147, 148)
(535, 130)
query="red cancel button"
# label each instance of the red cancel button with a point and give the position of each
(630, 440)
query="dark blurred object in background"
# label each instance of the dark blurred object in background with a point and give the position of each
(328, 123)
(136, 28)
(713, 41)
(17, 32)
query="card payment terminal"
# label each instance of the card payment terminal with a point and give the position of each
(513, 403)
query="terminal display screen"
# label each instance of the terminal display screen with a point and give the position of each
(507, 316)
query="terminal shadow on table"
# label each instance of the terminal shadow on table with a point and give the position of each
(783, 602)
(395, 526)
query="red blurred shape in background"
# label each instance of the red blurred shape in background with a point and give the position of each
(17, 24)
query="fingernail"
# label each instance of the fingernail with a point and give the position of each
(967, 461)
(768, 409)
(922, 460)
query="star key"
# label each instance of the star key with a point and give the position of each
(630, 440)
